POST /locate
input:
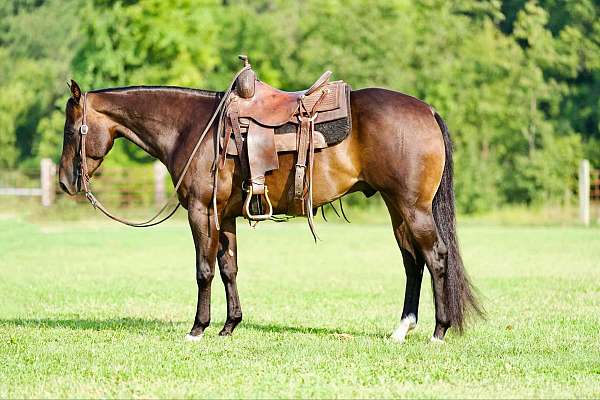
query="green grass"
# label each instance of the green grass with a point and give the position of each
(100, 310)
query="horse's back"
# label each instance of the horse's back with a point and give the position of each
(384, 106)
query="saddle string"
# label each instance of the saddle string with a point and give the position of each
(151, 222)
(330, 204)
(311, 115)
(323, 213)
(342, 209)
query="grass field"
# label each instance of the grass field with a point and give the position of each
(99, 310)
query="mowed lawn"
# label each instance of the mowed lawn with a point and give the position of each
(100, 310)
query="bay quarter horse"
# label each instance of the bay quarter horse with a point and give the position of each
(221, 150)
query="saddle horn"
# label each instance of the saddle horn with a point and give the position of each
(244, 58)
(246, 82)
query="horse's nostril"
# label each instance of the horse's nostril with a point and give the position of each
(63, 187)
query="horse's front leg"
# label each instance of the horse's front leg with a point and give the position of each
(206, 241)
(227, 259)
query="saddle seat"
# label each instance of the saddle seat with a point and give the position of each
(273, 107)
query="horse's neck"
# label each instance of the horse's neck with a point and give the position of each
(157, 120)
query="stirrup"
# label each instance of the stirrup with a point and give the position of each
(259, 217)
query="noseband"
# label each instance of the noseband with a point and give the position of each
(83, 176)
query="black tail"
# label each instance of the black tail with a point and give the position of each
(459, 293)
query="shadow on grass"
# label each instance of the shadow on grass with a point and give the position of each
(141, 325)
(111, 324)
(276, 328)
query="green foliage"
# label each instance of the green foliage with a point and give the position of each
(547, 173)
(517, 81)
(36, 43)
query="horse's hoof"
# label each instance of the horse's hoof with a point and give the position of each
(437, 340)
(225, 333)
(194, 338)
(398, 336)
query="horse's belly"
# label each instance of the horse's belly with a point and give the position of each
(335, 172)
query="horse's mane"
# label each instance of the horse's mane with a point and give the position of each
(201, 92)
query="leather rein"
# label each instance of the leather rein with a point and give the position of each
(85, 178)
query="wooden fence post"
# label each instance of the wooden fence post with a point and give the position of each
(160, 193)
(584, 192)
(47, 172)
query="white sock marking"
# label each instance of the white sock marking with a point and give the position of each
(407, 324)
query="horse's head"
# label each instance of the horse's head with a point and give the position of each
(99, 137)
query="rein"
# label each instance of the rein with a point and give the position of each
(85, 178)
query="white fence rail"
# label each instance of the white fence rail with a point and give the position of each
(27, 192)
(46, 189)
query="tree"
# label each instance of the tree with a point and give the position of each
(516, 80)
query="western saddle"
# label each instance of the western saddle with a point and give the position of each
(253, 116)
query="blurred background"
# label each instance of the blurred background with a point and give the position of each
(518, 82)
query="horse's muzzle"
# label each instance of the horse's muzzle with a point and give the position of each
(66, 184)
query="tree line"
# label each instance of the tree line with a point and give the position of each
(518, 81)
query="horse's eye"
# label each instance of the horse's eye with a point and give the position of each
(69, 132)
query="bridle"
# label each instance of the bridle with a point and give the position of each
(84, 178)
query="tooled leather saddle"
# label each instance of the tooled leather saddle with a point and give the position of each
(260, 121)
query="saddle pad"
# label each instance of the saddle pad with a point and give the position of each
(333, 132)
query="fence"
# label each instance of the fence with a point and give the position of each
(22, 183)
(589, 191)
(117, 186)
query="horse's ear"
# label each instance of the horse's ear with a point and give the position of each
(75, 90)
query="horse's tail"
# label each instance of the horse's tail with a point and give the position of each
(459, 296)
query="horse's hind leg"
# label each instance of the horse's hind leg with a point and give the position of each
(227, 259)
(426, 237)
(415, 229)
(413, 266)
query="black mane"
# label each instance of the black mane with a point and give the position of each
(180, 89)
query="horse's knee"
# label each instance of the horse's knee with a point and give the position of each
(204, 274)
(228, 273)
(227, 266)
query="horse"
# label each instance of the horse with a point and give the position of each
(398, 146)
